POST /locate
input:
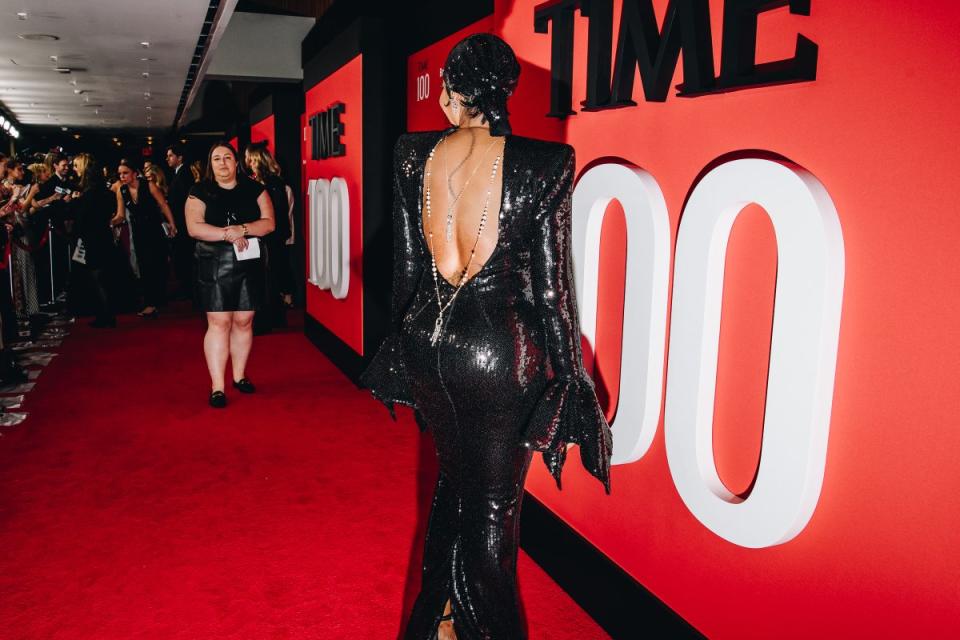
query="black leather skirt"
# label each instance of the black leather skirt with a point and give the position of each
(225, 283)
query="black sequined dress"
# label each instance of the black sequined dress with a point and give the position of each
(505, 379)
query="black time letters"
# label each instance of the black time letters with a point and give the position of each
(326, 129)
(642, 44)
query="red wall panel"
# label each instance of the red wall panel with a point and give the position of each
(343, 317)
(265, 130)
(878, 128)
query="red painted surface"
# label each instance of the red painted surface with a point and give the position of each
(343, 317)
(265, 131)
(879, 129)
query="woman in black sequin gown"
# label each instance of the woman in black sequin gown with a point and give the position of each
(505, 378)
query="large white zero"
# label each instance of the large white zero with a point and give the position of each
(329, 235)
(803, 349)
(645, 292)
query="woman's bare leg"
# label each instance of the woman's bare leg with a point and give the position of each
(216, 346)
(445, 630)
(241, 339)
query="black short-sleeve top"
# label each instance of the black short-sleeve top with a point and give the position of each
(229, 206)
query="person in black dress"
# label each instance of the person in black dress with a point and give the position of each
(265, 170)
(227, 213)
(148, 211)
(486, 340)
(94, 207)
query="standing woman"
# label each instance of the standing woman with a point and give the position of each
(265, 170)
(486, 338)
(94, 210)
(226, 213)
(148, 211)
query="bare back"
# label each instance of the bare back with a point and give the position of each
(460, 184)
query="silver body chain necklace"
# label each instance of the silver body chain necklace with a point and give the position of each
(442, 307)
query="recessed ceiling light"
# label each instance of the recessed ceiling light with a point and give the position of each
(145, 44)
(22, 15)
(149, 107)
(38, 36)
(54, 58)
(63, 128)
(145, 74)
(148, 59)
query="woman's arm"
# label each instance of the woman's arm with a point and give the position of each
(164, 207)
(28, 202)
(121, 213)
(289, 191)
(568, 411)
(408, 259)
(194, 212)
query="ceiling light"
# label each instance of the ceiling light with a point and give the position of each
(14, 133)
(148, 59)
(6, 125)
(38, 36)
(2, 120)
(145, 74)
(63, 128)
(54, 58)
(22, 15)
(145, 44)
(76, 136)
(79, 91)
(73, 82)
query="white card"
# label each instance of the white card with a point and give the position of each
(251, 252)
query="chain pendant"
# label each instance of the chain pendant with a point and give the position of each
(449, 228)
(436, 330)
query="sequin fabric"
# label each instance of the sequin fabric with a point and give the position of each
(505, 379)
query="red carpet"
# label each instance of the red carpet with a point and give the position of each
(129, 509)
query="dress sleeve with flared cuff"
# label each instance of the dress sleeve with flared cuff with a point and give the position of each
(385, 376)
(568, 411)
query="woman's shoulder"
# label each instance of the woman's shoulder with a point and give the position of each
(417, 142)
(250, 186)
(199, 189)
(548, 150)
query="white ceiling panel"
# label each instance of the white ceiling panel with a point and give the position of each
(103, 37)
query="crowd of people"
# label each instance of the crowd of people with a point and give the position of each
(112, 237)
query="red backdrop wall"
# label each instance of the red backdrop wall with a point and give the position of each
(343, 317)
(879, 128)
(265, 130)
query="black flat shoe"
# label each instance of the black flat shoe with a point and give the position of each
(244, 386)
(218, 400)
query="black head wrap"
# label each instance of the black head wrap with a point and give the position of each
(484, 70)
